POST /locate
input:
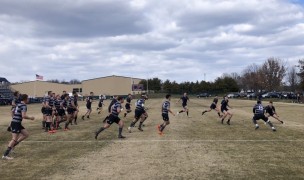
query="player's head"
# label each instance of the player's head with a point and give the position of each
(74, 93)
(270, 103)
(24, 98)
(91, 93)
(49, 93)
(259, 102)
(120, 99)
(168, 96)
(16, 93)
(185, 94)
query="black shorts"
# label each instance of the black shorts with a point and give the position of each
(16, 127)
(89, 106)
(43, 110)
(100, 104)
(48, 111)
(60, 112)
(139, 113)
(165, 116)
(212, 106)
(113, 119)
(260, 116)
(185, 106)
(224, 109)
(71, 110)
(128, 107)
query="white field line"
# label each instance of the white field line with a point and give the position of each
(165, 141)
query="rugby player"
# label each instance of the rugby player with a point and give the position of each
(89, 101)
(114, 118)
(71, 108)
(213, 106)
(140, 113)
(185, 100)
(271, 112)
(128, 105)
(19, 133)
(225, 110)
(258, 111)
(165, 114)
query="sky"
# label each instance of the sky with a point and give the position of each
(177, 40)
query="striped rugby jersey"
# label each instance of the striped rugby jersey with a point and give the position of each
(21, 107)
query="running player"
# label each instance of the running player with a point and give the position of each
(213, 106)
(225, 110)
(140, 113)
(48, 105)
(16, 100)
(114, 100)
(71, 109)
(165, 114)
(113, 118)
(89, 101)
(270, 111)
(128, 105)
(184, 99)
(258, 111)
(19, 133)
(100, 104)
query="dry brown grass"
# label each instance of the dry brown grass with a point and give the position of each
(192, 148)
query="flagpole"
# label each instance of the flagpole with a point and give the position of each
(35, 88)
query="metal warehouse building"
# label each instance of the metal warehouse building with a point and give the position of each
(109, 85)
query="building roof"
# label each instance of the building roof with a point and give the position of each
(111, 76)
(2, 79)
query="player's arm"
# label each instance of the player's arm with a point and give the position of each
(24, 116)
(169, 110)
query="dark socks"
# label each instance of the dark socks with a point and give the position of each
(100, 130)
(219, 114)
(6, 153)
(43, 124)
(140, 124)
(187, 113)
(181, 111)
(119, 131)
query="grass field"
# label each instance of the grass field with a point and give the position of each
(199, 147)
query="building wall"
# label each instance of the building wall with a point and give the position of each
(40, 88)
(110, 85)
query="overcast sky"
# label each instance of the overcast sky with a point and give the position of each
(180, 40)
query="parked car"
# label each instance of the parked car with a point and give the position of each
(203, 95)
(271, 95)
(233, 95)
(252, 95)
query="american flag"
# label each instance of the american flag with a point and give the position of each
(38, 77)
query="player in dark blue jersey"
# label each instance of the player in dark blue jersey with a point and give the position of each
(185, 100)
(89, 101)
(15, 101)
(165, 109)
(48, 104)
(213, 106)
(271, 112)
(75, 115)
(19, 133)
(114, 100)
(225, 108)
(128, 105)
(258, 111)
(140, 114)
(114, 118)
(100, 104)
(71, 109)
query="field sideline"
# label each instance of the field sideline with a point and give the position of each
(199, 147)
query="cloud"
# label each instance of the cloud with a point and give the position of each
(182, 41)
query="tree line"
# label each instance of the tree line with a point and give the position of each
(272, 75)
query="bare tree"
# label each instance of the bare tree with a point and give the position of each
(251, 79)
(272, 72)
(293, 79)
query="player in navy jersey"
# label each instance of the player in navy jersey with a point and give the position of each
(213, 106)
(165, 114)
(19, 133)
(100, 104)
(271, 112)
(140, 114)
(185, 100)
(48, 103)
(258, 111)
(71, 109)
(114, 100)
(114, 118)
(59, 111)
(89, 101)
(128, 105)
(15, 101)
(225, 110)
(75, 115)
